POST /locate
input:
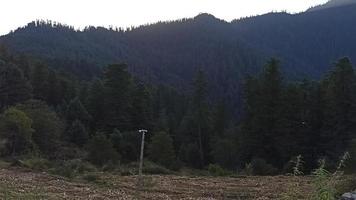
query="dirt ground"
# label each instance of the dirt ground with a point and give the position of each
(21, 184)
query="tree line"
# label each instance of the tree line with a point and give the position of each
(56, 115)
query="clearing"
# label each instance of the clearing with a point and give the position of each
(23, 184)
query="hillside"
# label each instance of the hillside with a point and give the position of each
(333, 4)
(171, 52)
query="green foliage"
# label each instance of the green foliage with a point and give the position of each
(16, 132)
(14, 88)
(217, 170)
(189, 154)
(153, 168)
(36, 163)
(76, 111)
(261, 168)
(78, 134)
(225, 153)
(117, 96)
(161, 149)
(325, 183)
(127, 144)
(101, 150)
(71, 168)
(48, 127)
(95, 104)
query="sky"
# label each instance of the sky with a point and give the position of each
(126, 13)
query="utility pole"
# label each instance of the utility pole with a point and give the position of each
(140, 180)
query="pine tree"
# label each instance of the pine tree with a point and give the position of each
(96, 104)
(201, 116)
(39, 81)
(141, 107)
(117, 96)
(78, 134)
(263, 111)
(76, 111)
(14, 88)
(340, 108)
(52, 96)
(161, 149)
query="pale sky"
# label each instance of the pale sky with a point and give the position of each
(125, 13)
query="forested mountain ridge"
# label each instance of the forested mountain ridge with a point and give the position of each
(307, 43)
(332, 4)
(171, 52)
(59, 111)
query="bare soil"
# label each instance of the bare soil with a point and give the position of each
(22, 184)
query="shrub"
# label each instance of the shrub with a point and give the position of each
(224, 153)
(325, 183)
(91, 177)
(72, 168)
(262, 168)
(16, 130)
(46, 124)
(161, 149)
(216, 170)
(153, 168)
(77, 133)
(36, 163)
(101, 150)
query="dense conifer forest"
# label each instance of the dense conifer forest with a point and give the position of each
(252, 94)
(58, 116)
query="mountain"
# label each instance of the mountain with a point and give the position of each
(171, 52)
(307, 43)
(332, 4)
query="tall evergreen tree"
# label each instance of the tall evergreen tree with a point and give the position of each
(263, 109)
(161, 149)
(340, 108)
(14, 88)
(141, 107)
(201, 116)
(39, 81)
(96, 104)
(76, 111)
(118, 103)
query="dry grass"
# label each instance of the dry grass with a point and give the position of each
(20, 184)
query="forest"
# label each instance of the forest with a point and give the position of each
(55, 115)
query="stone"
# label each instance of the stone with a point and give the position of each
(348, 196)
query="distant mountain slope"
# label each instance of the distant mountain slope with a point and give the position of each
(171, 52)
(308, 42)
(333, 4)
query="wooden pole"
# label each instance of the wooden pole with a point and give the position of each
(140, 179)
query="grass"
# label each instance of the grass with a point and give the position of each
(13, 193)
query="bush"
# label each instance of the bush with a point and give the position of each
(101, 150)
(152, 168)
(216, 170)
(36, 163)
(46, 124)
(72, 168)
(262, 168)
(161, 149)
(91, 177)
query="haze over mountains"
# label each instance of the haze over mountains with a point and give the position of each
(333, 3)
(171, 52)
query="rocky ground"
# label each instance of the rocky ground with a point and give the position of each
(23, 184)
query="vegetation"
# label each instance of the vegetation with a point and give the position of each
(198, 87)
(98, 120)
